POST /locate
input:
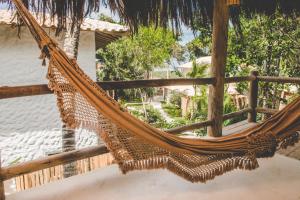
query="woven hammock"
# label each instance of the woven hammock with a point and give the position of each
(137, 145)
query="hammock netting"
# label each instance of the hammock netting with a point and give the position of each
(136, 145)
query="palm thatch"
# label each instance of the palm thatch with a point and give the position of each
(158, 12)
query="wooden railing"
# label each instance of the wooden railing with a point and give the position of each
(67, 157)
(32, 90)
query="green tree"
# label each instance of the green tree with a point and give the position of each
(269, 44)
(70, 46)
(135, 57)
(201, 45)
(131, 57)
(199, 106)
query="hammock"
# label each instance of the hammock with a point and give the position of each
(137, 145)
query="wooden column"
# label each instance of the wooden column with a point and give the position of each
(218, 63)
(253, 96)
(2, 192)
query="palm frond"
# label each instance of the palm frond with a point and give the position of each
(165, 13)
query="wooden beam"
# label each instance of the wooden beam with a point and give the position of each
(50, 161)
(236, 114)
(189, 127)
(253, 97)
(218, 64)
(239, 79)
(207, 123)
(31, 90)
(112, 85)
(2, 190)
(21, 91)
(266, 110)
(293, 80)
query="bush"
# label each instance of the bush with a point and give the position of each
(201, 132)
(172, 110)
(230, 107)
(177, 122)
(175, 99)
(152, 117)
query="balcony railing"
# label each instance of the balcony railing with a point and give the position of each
(67, 157)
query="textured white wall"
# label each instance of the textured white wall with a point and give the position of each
(19, 65)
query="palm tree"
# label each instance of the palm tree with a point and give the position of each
(70, 46)
(198, 71)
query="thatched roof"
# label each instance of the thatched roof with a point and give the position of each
(159, 12)
(174, 12)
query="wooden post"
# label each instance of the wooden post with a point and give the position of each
(2, 192)
(253, 96)
(218, 63)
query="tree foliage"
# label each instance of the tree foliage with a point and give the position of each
(107, 18)
(201, 45)
(134, 57)
(269, 44)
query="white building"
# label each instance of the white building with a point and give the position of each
(33, 124)
(187, 67)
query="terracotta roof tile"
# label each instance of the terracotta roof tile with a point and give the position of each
(88, 24)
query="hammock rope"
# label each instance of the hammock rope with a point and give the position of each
(137, 145)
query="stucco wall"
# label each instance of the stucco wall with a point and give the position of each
(19, 65)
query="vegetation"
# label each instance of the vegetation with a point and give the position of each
(134, 58)
(269, 44)
(171, 109)
(151, 116)
(106, 18)
(199, 106)
(201, 45)
(179, 121)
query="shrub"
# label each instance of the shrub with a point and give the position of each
(172, 110)
(152, 117)
(175, 98)
(177, 122)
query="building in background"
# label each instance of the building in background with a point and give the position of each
(33, 123)
(188, 67)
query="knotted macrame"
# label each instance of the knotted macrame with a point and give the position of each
(137, 145)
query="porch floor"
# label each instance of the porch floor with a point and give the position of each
(237, 127)
(276, 178)
(293, 151)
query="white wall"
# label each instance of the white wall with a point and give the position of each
(19, 65)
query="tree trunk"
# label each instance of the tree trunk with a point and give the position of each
(71, 43)
(218, 65)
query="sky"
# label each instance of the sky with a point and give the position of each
(3, 6)
(187, 36)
